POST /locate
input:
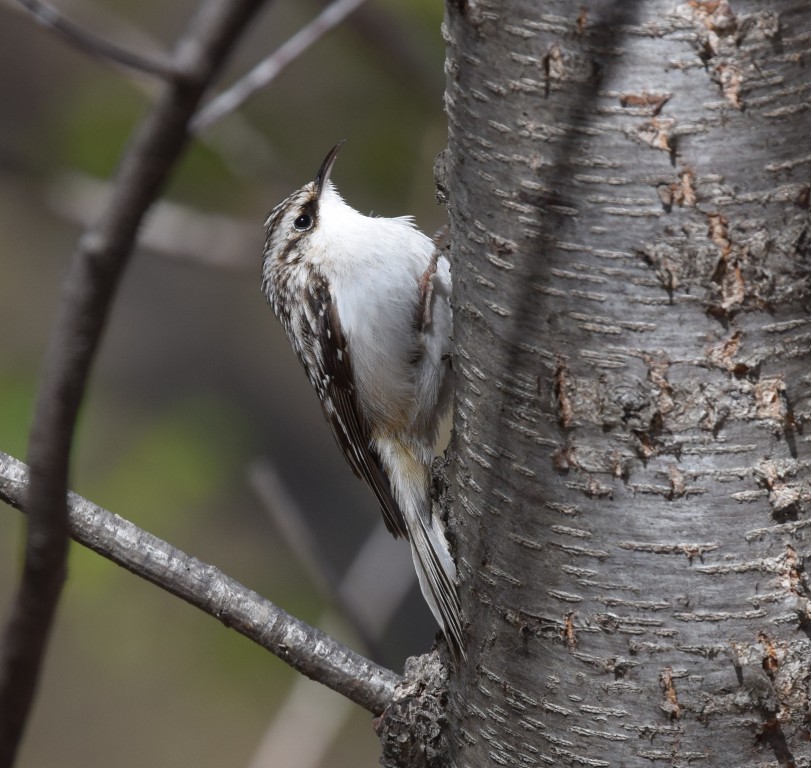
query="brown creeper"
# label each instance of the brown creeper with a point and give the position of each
(365, 303)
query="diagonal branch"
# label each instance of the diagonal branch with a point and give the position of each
(89, 287)
(269, 69)
(305, 648)
(158, 65)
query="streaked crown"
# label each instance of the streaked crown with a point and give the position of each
(297, 215)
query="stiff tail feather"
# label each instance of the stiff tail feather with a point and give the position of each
(410, 478)
(436, 573)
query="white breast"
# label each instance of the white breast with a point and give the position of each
(374, 266)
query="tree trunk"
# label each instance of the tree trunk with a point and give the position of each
(629, 198)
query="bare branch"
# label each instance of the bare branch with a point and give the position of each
(244, 149)
(90, 284)
(158, 65)
(305, 648)
(269, 69)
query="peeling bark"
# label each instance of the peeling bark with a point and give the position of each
(628, 187)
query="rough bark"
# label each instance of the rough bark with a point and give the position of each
(413, 730)
(631, 471)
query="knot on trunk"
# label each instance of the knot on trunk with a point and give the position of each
(412, 727)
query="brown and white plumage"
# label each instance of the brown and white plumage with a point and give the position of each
(365, 303)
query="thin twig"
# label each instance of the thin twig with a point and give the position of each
(244, 149)
(89, 287)
(158, 65)
(305, 648)
(268, 69)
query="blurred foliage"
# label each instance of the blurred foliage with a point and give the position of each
(16, 406)
(187, 454)
(96, 119)
(194, 379)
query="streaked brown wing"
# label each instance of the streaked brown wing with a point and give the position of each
(340, 403)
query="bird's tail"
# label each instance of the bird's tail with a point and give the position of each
(410, 477)
(436, 573)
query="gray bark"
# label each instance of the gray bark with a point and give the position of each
(630, 471)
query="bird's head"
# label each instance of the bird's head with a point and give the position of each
(296, 217)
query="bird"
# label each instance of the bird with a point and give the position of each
(365, 302)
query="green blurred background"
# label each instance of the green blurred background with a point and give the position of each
(194, 380)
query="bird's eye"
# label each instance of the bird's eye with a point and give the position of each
(305, 221)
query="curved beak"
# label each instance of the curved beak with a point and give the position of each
(322, 176)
